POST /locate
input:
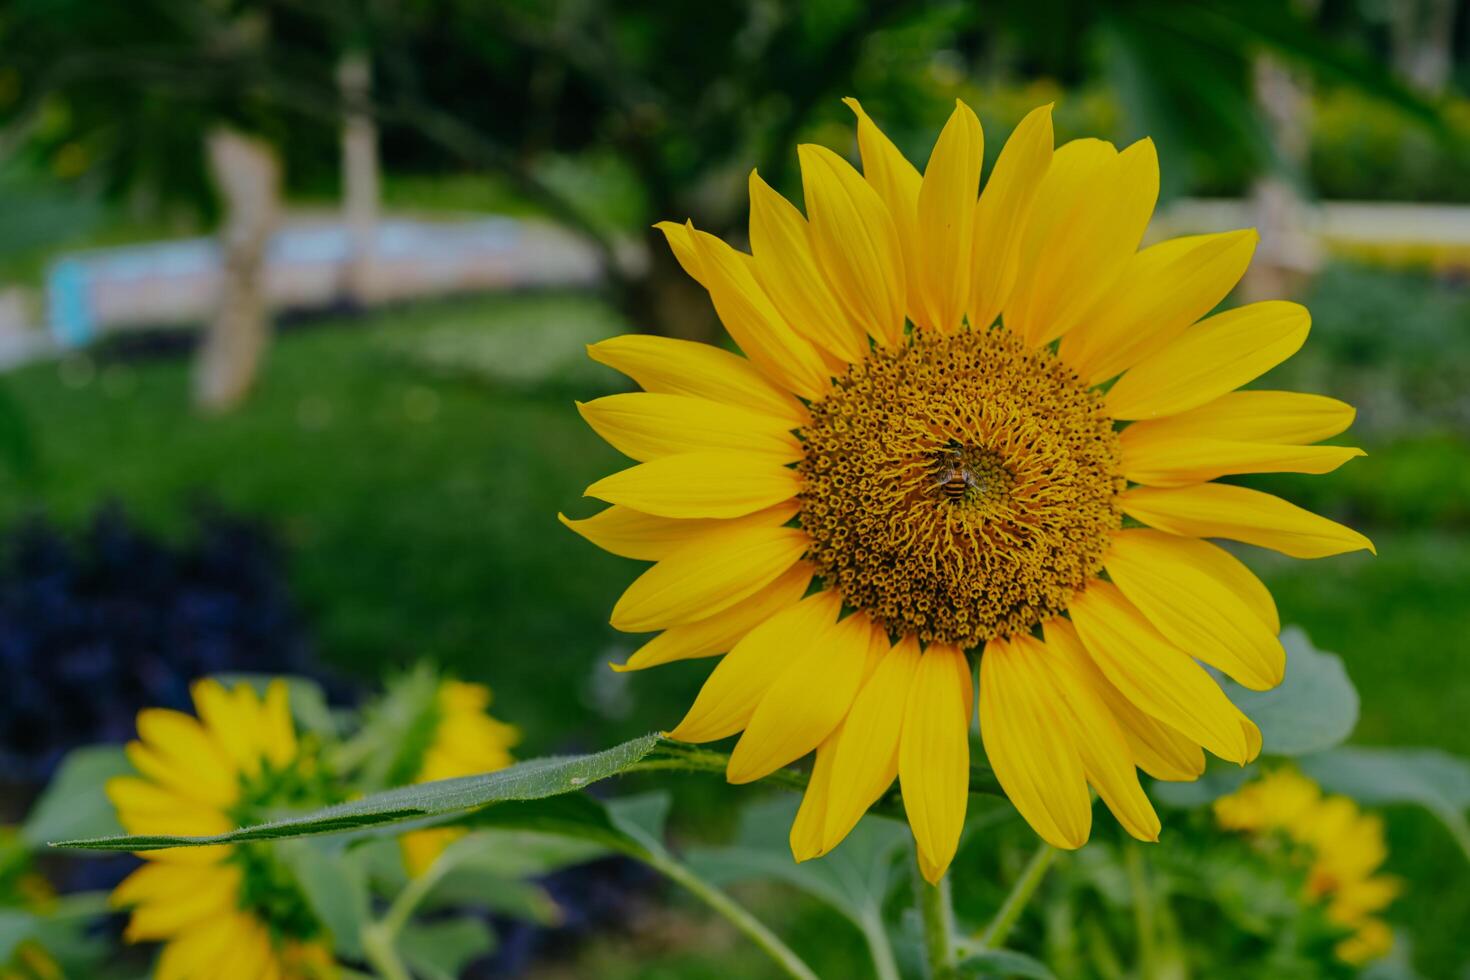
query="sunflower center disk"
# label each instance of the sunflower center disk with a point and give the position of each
(960, 487)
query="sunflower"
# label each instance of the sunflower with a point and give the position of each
(465, 741)
(964, 426)
(1342, 847)
(222, 912)
(26, 893)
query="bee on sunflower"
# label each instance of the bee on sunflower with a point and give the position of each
(224, 911)
(968, 425)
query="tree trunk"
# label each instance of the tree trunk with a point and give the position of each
(1423, 37)
(248, 178)
(359, 178)
(1288, 252)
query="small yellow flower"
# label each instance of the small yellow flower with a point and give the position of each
(949, 402)
(1344, 847)
(222, 912)
(466, 741)
(31, 961)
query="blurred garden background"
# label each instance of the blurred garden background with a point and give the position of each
(294, 298)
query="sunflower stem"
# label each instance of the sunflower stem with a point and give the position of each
(994, 935)
(377, 948)
(938, 918)
(1143, 908)
(380, 938)
(754, 930)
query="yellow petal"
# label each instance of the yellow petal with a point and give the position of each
(806, 829)
(754, 323)
(704, 484)
(645, 425)
(1215, 356)
(866, 756)
(718, 633)
(143, 808)
(1215, 510)
(1090, 215)
(1106, 758)
(1168, 460)
(200, 951)
(934, 755)
(214, 890)
(161, 883)
(142, 804)
(708, 575)
(186, 748)
(683, 367)
(786, 269)
(633, 534)
(1231, 573)
(1034, 756)
(1157, 676)
(1076, 167)
(855, 242)
(1163, 289)
(1282, 417)
(805, 704)
(1228, 572)
(1157, 749)
(897, 183)
(421, 848)
(278, 733)
(947, 221)
(1003, 212)
(216, 709)
(166, 772)
(737, 684)
(1193, 609)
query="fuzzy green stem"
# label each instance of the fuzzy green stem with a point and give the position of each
(1143, 909)
(994, 935)
(885, 967)
(377, 947)
(938, 919)
(753, 928)
(380, 938)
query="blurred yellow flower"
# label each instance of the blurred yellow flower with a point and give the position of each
(223, 911)
(926, 422)
(1343, 845)
(30, 961)
(466, 741)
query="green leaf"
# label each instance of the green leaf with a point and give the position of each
(534, 779)
(1435, 780)
(1218, 781)
(569, 815)
(520, 853)
(1002, 963)
(442, 950)
(469, 799)
(75, 803)
(16, 926)
(334, 882)
(641, 817)
(853, 879)
(64, 928)
(1398, 964)
(1314, 708)
(465, 888)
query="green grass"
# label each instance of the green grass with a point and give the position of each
(419, 507)
(415, 461)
